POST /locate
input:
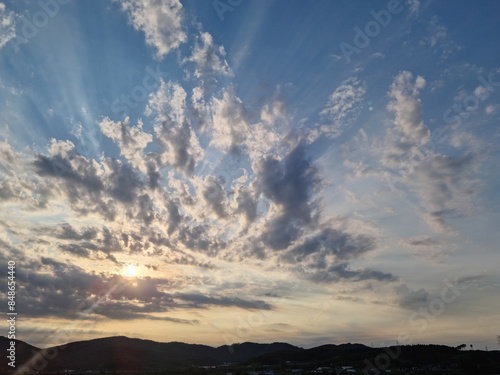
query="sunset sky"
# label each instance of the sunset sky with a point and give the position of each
(226, 171)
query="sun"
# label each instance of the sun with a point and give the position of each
(131, 271)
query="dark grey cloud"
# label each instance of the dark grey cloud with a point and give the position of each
(6, 191)
(189, 260)
(247, 202)
(83, 176)
(197, 238)
(146, 211)
(79, 179)
(176, 145)
(67, 232)
(153, 175)
(81, 250)
(215, 196)
(174, 216)
(289, 184)
(51, 288)
(60, 289)
(423, 241)
(101, 188)
(409, 298)
(200, 300)
(339, 272)
(330, 241)
(87, 242)
(123, 182)
(10, 253)
(153, 267)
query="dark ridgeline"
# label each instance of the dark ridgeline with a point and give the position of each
(122, 354)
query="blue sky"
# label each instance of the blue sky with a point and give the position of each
(220, 172)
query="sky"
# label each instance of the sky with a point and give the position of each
(225, 171)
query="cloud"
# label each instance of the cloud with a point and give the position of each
(247, 201)
(445, 186)
(18, 185)
(197, 238)
(169, 101)
(491, 109)
(215, 196)
(122, 183)
(51, 288)
(423, 241)
(437, 38)
(179, 146)
(177, 141)
(275, 112)
(289, 185)
(66, 231)
(90, 187)
(339, 272)
(189, 260)
(414, 6)
(407, 109)
(343, 106)
(130, 139)
(80, 179)
(331, 242)
(86, 242)
(410, 299)
(174, 216)
(230, 123)
(200, 300)
(146, 212)
(208, 58)
(60, 289)
(7, 25)
(160, 20)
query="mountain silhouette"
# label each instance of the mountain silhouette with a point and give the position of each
(123, 353)
(120, 353)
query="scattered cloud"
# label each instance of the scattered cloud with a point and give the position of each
(130, 139)
(7, 25)
(160, 21)
(410, 299)
(343, 106)
(208, 58)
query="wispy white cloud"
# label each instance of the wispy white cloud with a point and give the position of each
(404, 159)
(230, 122)
(7, 25)
(343, 106)
(208, 58)
(491, 109)
(160, 20)
(437, 38)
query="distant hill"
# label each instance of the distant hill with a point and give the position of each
(123, 354)
(437, 359)
(23, 352)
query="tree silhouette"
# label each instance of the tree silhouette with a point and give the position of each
(461, 346)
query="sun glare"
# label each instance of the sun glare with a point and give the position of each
(131, 271)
